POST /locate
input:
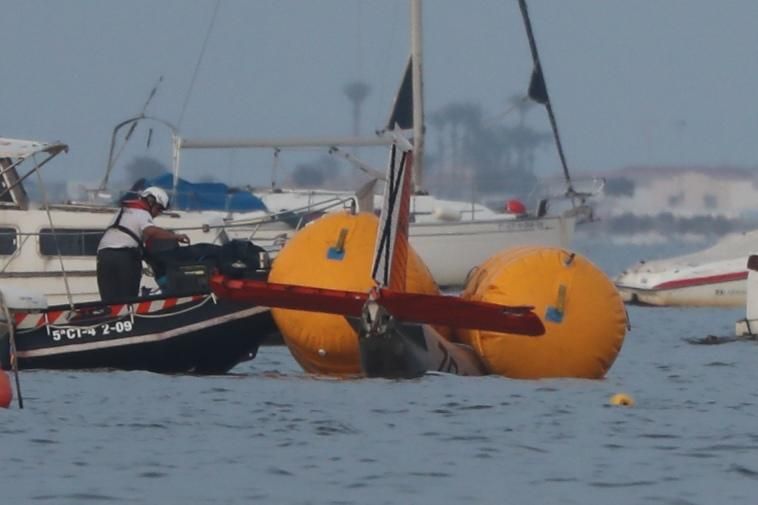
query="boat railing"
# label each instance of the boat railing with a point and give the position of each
(582, 187)
(296, 218)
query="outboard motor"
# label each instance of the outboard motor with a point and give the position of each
(241, 259)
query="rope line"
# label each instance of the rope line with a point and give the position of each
(197, 64)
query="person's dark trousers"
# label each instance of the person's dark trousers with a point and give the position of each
(119, 272)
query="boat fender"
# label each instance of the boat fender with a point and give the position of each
(516, 207)
(6, 393)
(446, 214)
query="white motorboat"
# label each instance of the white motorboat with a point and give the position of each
(714, 277)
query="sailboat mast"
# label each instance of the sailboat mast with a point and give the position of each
(418, 96)
(538, 91)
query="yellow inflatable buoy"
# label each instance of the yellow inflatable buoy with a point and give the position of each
(584, 316)
(622, 399)
(334, 252)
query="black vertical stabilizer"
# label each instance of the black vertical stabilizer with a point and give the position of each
(402, 108)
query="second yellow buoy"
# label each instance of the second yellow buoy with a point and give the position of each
(584, 316)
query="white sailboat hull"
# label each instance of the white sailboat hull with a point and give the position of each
(452, 250)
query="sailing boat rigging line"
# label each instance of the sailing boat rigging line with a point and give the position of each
(46, 203)
(538, 93)
(198, 63)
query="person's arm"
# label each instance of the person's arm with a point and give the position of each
(154, 232)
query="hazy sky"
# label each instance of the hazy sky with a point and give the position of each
(669, 82)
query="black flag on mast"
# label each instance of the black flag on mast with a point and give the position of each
(537, 87)
(402, 108)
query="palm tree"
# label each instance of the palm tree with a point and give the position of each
(356, 92)
(500, 157)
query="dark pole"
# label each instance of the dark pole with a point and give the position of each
(12, 350)
(538, 91)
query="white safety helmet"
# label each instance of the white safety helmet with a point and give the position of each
(160, 196)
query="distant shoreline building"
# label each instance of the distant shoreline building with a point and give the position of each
(725, 191)
(672, 199)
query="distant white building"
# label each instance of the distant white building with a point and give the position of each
(682, 191)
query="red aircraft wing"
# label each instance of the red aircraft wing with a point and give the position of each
(407, 307)
(290, 296)
(459, 313)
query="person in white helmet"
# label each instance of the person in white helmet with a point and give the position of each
(120, 252)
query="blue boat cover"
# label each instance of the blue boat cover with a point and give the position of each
(205, 195)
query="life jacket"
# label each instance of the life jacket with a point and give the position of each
(130, 204)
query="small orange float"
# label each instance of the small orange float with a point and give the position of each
(621, 400)
(6, 392)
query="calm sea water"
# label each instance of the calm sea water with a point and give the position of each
(271, 434)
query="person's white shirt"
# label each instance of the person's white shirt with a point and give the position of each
(133, 219)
